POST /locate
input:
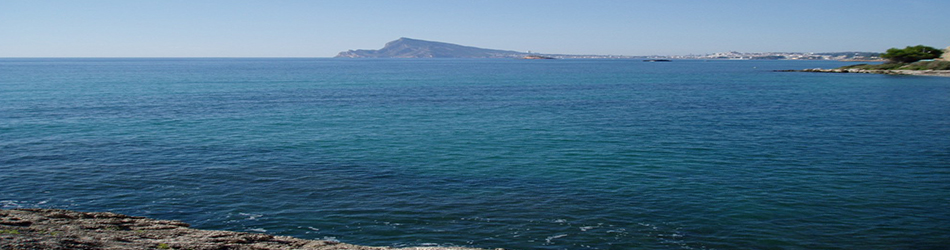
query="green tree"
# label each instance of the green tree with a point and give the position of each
(911, 54)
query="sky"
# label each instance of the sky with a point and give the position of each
(315, 28)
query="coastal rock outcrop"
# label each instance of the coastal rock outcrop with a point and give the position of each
(65, 229)
(944, 73)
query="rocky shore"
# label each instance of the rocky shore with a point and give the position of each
(65, 229)
(944, 73)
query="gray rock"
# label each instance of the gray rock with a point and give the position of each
(65, 229)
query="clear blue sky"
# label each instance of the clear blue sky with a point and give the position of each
(312, 28)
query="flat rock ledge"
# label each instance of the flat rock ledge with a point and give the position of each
(944, 73)
(65, 229)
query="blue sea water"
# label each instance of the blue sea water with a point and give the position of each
(519, 154)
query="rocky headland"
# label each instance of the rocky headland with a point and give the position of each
(65, 229)
(944, 73)
(921, 68)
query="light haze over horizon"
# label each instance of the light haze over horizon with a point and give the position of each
(298, 28)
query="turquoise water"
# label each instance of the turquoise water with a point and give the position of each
(520, 154)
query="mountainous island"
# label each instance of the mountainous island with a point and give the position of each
(413, 48)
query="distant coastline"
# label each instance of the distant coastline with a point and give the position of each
(535, 57)
(416, 48)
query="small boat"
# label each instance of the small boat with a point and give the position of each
(657, 60)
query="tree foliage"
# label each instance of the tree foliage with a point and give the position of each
(911, 54)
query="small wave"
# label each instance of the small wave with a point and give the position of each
(8, 204)
(259, 230)
(251, 216)
(476, 219)
(425, 244)
(548, 239)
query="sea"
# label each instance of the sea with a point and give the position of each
(487, 153)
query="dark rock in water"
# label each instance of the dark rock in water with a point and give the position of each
(64, 229)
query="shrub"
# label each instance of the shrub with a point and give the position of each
(911, 54)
